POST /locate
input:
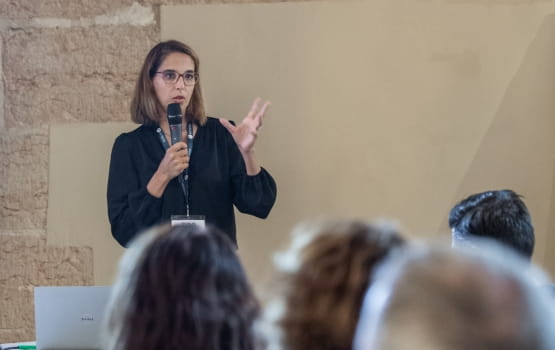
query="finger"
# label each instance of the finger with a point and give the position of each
(254, 108)
(230, 127)
(178, 146)
(180, 165)
(262, 113)
(170, 156)
(181, 155)
(176, 155)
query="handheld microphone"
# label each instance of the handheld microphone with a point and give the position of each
(174, 120)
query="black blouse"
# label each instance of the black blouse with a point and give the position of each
(217, 181)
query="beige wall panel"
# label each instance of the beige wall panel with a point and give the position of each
(390, 109)
(77, 211)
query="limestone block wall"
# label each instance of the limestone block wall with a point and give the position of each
(61, 61)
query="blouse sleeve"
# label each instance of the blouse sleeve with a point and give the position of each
(130, 207)
(255, 195)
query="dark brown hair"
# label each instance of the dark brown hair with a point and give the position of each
(145, 107)
(325, 289)
(182, 288)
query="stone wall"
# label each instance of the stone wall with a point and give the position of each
(62, 61)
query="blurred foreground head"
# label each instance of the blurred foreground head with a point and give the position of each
(434, 297)
(181, 288)
(324, 275)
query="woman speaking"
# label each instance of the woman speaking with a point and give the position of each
(154, 176)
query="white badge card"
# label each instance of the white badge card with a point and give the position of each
(197, 220)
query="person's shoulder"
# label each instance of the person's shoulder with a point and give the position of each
(214, 123)
(137, 132)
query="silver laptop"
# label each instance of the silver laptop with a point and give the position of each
(69, 317)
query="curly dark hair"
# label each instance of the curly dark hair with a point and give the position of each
(324, 291)
(182, 288)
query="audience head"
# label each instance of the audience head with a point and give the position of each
(436, 297)
(498, 215)
(324, 276)
(181, 288)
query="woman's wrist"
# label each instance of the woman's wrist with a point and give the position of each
(251, 164)
(157, 184)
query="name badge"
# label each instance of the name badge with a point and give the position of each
(196, 220)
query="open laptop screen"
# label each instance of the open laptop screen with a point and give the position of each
(69, 317)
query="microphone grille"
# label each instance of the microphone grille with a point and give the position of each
(174, 110)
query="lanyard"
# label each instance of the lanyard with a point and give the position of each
(183, 178)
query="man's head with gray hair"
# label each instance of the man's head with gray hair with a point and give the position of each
(434, 297)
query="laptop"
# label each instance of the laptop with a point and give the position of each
(70, 317)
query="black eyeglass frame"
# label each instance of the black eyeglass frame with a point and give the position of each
(185, 81)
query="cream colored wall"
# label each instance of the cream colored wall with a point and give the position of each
(61, 63)
(392, 109)
(379, 110)
(77, 210)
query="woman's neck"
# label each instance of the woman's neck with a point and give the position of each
(164, 125)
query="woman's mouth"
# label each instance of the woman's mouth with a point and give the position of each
(178, 99)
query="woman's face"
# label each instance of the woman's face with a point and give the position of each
(179, 91)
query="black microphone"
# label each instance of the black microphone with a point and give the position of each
(174, 119)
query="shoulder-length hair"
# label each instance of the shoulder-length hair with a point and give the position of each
(325, 274)
(181, 288)
(145, 107)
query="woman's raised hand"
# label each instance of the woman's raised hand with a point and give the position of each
(246, 132)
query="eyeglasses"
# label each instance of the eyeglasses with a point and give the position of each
(171, 77)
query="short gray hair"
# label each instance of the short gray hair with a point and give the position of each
(430, 296)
